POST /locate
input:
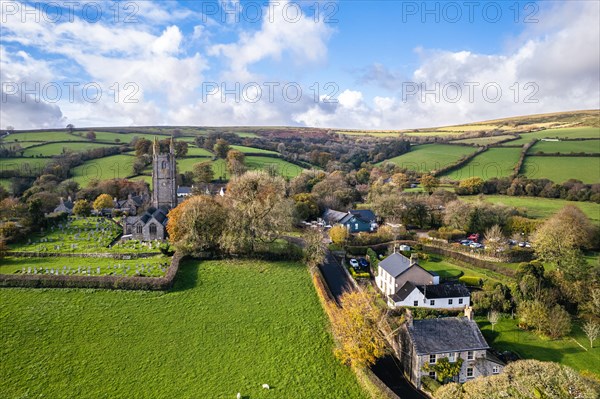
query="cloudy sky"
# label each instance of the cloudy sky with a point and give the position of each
(345, 64)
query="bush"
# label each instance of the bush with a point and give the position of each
(359, 275)
(357, 251)
(447, 233)
(471, 281)
(429, 384)
(373, 258)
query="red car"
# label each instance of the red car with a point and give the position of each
(474, 237)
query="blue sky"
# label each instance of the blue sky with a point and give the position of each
(344, 64)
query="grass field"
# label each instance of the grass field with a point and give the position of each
(24, 144)
(427, 157)
(540, 208)
(495, 162)
(445, 268)
(112, 167)
(52, 149)
(41, 136)
(251, 150)
(198, 152)
(484, 140)
(567, 351)
(152, 267)
(577, 132)
(5, 183)
(210, 337)
(27, 166)
(566, 147)
(561, 169)
(285, 169)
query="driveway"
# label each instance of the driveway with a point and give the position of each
(335, 277)
(388, 370)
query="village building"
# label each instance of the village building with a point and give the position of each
(356, 221)
(65, 206)
(404, 283)
(151, 225)
(425, 342)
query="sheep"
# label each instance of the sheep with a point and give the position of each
(266, 386)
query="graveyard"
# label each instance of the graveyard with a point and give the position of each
(85, 246)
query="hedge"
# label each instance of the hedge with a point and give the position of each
(470, 281)
(359, 275)
(429, 384)
(104, 282)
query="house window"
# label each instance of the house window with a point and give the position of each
(495, 370)
(460, 301)
(152, 229)
(432, 374)
(138, 229)
(432, 302)
(452, 356)
(355, 226)
(416, 303)
(449, 301)
(431, 359)
(469, 372)
(164, 164)
(470, 355)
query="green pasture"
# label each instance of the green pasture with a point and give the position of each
(112, 167)
(495, 162)
(566, 147)
(561, 169)
(251, 150)
(572, 133)
(49, 150)
(481, 141)
(428, 157)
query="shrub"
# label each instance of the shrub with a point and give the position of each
(447, 233)
(359, 275)
(373, 258)
(429, 384)
(471, 281)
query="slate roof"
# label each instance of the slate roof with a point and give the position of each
(403, 292)
(395, 264)
(444, 290)
(184, 190)
(333, 217)
(449, 334)
(365, 214)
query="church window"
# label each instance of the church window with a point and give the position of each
(153, 229)
(138, 229)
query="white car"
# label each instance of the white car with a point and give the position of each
(476, 245)
(354, 263)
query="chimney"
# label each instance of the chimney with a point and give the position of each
(414, 259)
(69, 198)
(61, 201)
(469, 312)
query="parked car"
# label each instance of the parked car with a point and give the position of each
(474, 237)
(466, 242)
(476, 245)
(354, 263)
(363, 263)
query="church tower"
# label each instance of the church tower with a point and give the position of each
(164, 168)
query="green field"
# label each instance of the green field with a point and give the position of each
(561, 169)
(484, 140)
(566, 147)
(53, 149)
(111, 137)
(284, 168)
(251, 150)
(24, 144)
(508, 336)
(495, 162)
(540, 208)
(5, 183)
(427, 157)
(41, 136)
(112, 167)
(577, 132)
(152, 267)
(447, 269)
(27, 166)
(226, 327)
(198, 152)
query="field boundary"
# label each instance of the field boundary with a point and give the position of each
(31, 254)
(103, 282)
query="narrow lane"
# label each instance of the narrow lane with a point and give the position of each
(335, 277)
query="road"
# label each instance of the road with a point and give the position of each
(387, 368)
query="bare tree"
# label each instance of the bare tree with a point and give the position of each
(494, 238)
(493, 318)
(591, 330)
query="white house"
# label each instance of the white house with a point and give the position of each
(439, 296)
(404, 283)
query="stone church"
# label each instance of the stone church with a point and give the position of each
(151, 225)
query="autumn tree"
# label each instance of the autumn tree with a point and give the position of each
(259, 209)
(91, 135)
(429, 182)
(203, 172)
(82, 208)
(143, 147)
(197, 224)
(236, 163)
(339, 234)
(356, 325)
(592, 330)
(314, 250)
(305, 207)
(221, 148)
(103, 201)
(470, 186)
(493, 238)
(560, 239)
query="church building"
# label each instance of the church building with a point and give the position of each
(151, 225)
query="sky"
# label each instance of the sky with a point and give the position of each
(334, 64)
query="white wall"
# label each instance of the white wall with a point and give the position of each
(440, 303)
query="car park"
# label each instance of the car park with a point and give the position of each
(363, 263)
(354, 263)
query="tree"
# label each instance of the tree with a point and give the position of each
(3, 248)
(305, 207)
(493, 238)
(470, 186)
(339, 234)
(259, 210)
(444, 369)
(70, 128)
(82, 208)
(314, 250)
(429, 182)
(143, 147)
(355, 325)
(181, 149)
(560, 239)
(203, 172)
(221, 148)
(493, 318)
(592, 330)
(103, 201)
(91, 135)
(559, 322)
(196, 225)
(236, 163)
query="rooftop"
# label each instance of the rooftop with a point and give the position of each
(449, 334)
(395, 264)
